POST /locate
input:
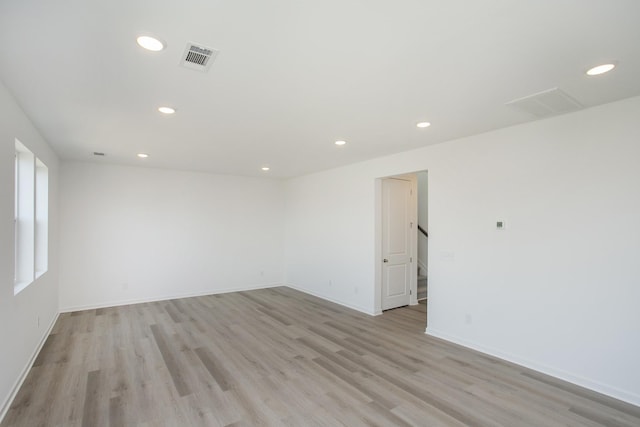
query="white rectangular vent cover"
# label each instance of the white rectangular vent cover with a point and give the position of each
(546, 103)
(198, 57)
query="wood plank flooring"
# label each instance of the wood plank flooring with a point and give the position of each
(278, 357)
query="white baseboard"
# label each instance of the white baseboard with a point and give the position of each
(596, 386)
(25, 371)
(166, 297)
(353, 307)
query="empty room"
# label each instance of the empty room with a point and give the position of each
(330, 213)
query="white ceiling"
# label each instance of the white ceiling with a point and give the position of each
(293, 76)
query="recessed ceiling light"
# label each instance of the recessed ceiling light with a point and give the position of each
(600, 69)
(423, 124)
(167, 110)
(340, 143)
(266, 168)
(143, 155)
(150, 43)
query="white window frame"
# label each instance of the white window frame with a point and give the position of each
(31, 217)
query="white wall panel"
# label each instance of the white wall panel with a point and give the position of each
(25, 317)
(139, 234)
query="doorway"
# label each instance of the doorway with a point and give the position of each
(402, 241)
(422, 258)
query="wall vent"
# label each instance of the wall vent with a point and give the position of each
(546, 103)
(198, 57)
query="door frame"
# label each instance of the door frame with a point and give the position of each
(413, 178)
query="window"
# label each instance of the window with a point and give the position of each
(31, 222)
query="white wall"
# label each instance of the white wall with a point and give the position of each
(557, 290)
(138, 234)
(25, 318)
(329, 243)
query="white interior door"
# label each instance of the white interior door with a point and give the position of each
(396, 243)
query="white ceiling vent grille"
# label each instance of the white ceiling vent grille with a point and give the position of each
(546, 103)
(198, 57)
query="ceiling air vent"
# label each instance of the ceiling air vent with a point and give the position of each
(546, 103)
(198, 57)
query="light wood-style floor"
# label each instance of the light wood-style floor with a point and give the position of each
(280, 357)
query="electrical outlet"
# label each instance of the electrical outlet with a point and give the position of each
(330, 283)
(468, 319)
(38, 321)
(355, 289)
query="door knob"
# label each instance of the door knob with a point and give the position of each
(385, 260)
